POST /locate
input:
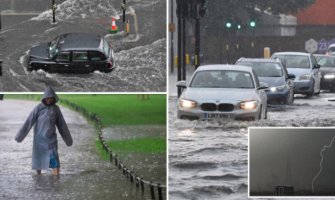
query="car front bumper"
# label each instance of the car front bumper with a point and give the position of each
(303, 86)
(327, 84)
(277, 97)
(236, 114)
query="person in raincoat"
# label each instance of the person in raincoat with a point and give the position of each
(46, 116)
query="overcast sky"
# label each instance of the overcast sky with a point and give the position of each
(291, 157)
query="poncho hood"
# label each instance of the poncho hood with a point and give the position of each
(49, 93)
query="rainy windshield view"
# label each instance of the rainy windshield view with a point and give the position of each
(286, 47)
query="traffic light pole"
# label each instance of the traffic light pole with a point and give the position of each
(53, 12)
(180, 57)
(197, 43)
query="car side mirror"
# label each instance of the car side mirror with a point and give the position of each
(291, 76)
(263, 86)
(317, 66)
(181, 84)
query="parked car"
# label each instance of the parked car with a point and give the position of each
(327, 64)
(73, 52)
(273, 73)
(223, 92)
(331, 50)
(305, 69)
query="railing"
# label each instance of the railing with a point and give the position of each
(138, 181)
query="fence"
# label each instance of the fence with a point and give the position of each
(113, 158)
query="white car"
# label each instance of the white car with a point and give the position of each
(223, 92)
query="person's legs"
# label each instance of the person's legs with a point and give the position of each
(38, 171)
(55, 171)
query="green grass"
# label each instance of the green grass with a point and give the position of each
(123, 109)
(139, 145)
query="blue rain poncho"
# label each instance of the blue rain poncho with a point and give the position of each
(45, 118)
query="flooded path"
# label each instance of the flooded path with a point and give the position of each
(84, 175)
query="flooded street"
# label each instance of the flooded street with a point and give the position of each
(140, 57)
(209, 159)
(84, 175)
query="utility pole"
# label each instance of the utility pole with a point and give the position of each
(124, 11)
(180, 8)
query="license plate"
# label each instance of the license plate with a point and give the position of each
(215, 116)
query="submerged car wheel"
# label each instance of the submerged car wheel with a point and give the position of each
(310, 94)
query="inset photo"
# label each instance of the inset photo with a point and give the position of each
(88, 146)
(83, 45)
(291, 162)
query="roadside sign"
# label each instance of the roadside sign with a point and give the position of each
(322, 45)
(311, 45)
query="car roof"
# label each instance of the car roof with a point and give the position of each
(331, 45)
(292, 53)
(79, 41)
(225, 67)
(267, 60)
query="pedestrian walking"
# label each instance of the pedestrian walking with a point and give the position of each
(46, 116)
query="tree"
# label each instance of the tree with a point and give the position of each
(240, 10)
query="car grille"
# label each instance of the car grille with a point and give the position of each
(223, 107)
(208, 107)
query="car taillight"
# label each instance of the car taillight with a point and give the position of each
(109, 64)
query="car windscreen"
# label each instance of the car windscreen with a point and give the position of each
(264, 69)
(294, 61)
(53, 47)
(331, 49)
(326, 61)
(222, 79)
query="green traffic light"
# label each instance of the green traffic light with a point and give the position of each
(252, 24)
(239, 26)
(228, 25)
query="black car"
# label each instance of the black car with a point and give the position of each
(327, 69)
(72, 52)
(275, 75)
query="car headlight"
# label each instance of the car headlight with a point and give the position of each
(278, 88)
(248, 105)
(305, 77)
(187, 103)
(329, 76)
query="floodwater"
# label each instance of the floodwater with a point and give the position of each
(140, 57)
(84, 175)
(209, 159)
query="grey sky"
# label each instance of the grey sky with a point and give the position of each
(290, 157)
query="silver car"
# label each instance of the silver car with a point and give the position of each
(306, 70)
(223, 92)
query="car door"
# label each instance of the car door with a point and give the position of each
(261, 93)
(62, 62)
(80, 62)
(316, 74)
(98, 60)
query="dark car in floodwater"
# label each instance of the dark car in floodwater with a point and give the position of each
(276, 76)
(72, 53)
(327, 63)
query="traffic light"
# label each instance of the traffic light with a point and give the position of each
(252, 23)
(229, 24)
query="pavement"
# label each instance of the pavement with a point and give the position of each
(84, 175)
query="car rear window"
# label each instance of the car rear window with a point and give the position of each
(96, 56)
(222, 79)
(294, 61)
(265, 69)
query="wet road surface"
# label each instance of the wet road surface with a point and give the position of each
(140, 58)
(209, 159)
(84, 175)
